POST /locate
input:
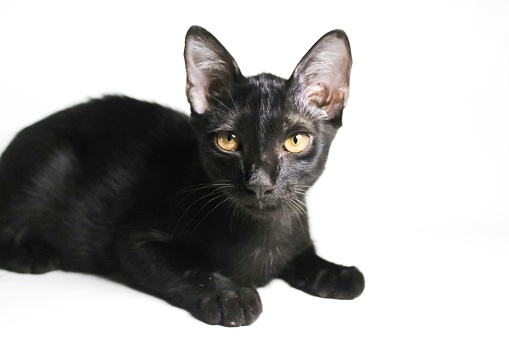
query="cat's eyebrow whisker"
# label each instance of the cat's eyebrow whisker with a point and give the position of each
(222, 111)
(230, 94)
(219, 101)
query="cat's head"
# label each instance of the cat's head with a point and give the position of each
(266, 136)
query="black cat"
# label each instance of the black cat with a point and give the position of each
(197, 211)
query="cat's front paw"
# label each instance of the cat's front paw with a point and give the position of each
(236, 307)
(338, 283)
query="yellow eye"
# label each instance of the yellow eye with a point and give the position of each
(297, 143)
(228, 141)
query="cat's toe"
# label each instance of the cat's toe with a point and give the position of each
(352, 282)
(238, 307)
(343, 283)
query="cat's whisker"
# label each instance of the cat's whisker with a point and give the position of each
(198, 212)
(216, 190)
(305, 187)
(302, 206)
(206, 215)
(183, 191)
(299, 209)
(196, 188)
(290, 204)
(192, 190)
(231, 201)
(234, 213)
(300, 191)
(287, 215)
(199, 187)
(296, 207)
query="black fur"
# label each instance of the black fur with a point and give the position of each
(143, 194)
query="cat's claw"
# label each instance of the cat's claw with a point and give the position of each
(237, 307)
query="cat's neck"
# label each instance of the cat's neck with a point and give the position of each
(286, 219)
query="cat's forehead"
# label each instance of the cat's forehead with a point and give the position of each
(264, 91)
(255, 101)
(266, 102)
(261, 105)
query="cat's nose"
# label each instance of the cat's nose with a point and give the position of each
(260, 190)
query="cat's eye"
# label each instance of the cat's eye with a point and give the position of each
(228, 141)
(297, 143)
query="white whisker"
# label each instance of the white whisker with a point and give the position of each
(300, 205)
(230, 94)
(228, 110)
(206, 215)
(290, 204)
(216, 189)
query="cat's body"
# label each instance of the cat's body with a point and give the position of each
(196, 211)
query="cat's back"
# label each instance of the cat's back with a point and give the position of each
(100, 133)
(116, 141)
(79, 173)
(114, 121)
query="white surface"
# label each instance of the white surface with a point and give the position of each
(416, 192)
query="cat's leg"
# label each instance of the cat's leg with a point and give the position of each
(33, 258)
(316, 276)
(176, 274)
(20, 250)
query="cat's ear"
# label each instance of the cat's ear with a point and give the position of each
(321, 79)
(211, 70)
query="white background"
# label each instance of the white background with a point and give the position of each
(416, 192)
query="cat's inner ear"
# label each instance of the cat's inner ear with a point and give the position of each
(211, 70)
(321, 79)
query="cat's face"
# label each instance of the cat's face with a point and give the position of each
(265, 137)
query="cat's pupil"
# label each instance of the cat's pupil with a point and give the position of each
(296, 139)
(230, 137)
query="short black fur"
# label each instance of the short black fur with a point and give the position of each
(146, 195)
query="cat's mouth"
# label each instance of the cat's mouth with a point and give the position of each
(260, 208)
